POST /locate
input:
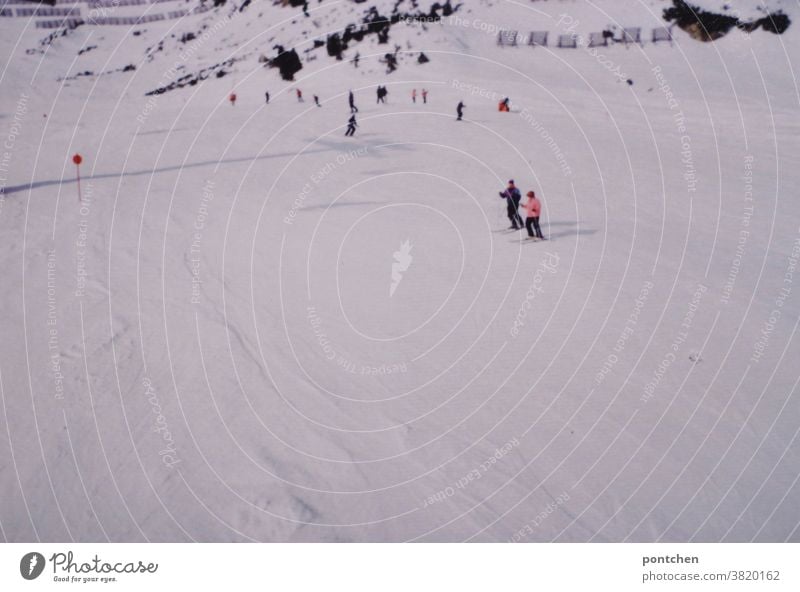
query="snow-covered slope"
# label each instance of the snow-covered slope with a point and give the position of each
(227, 340)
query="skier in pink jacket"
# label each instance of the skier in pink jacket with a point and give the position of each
(532, 211)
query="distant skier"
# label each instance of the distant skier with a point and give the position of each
(266, 96)
(532, 211)
(424, 96)
(299, 94)
(316, 101)
(351, 126)
(352, 100)
(232, 99)
(355, 60)
(460, 110)
(382, 92)
(505, 105)
(512, 197)
(414, 96)
(389, 59)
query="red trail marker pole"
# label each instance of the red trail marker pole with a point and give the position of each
(78, 159)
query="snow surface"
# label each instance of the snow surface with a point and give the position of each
(207, 347)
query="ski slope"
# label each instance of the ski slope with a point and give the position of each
(213, 343)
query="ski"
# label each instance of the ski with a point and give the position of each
(527, 239)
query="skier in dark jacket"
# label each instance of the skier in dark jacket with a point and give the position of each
(351, 126)
(352, 100)
(460, 110)
(513, 197)
(266, 95)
